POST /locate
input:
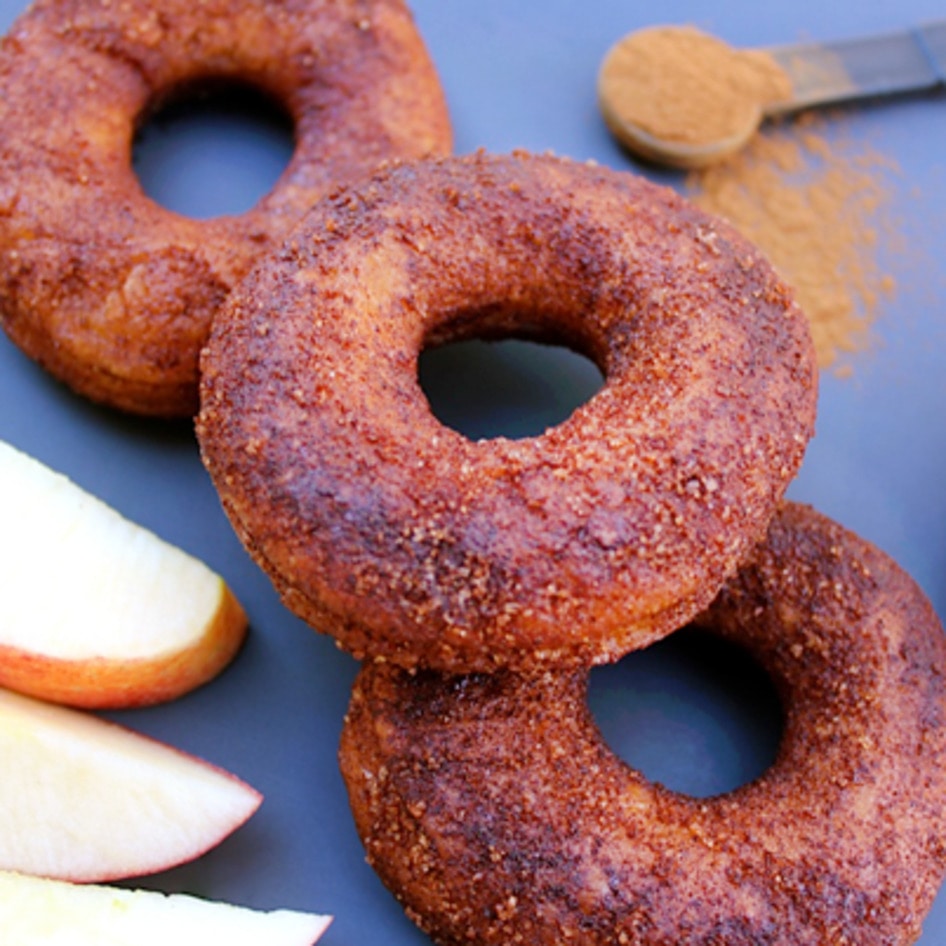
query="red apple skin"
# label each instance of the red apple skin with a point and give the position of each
(107, 683)
(68, 857)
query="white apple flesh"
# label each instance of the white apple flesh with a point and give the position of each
(95, 610)
(84, 799)
(39, 912)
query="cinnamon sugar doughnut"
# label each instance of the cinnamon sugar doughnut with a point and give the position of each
(406, 540)
(491, 807)
(113, 293)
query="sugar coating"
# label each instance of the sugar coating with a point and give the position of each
(409, 542)
(113, 293)
(491, 807)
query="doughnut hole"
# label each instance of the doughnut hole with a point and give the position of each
(486, 384)
(212, 148)
(693, 712)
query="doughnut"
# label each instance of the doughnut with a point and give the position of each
(490, 805)
(407, 541)
(109, 291)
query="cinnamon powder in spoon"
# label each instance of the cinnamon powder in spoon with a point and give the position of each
(681, 85)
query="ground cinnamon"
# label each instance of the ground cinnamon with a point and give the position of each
(816, 203)
(819, 205)
(679, 84)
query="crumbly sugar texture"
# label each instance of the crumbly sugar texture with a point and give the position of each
(490, 806)
(113, 293)
(407, 541)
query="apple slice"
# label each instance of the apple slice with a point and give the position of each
(84, 799)
(40, 912)
(96, 611)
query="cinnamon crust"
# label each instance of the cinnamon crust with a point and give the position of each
(407, 541)
(113, 293)
(491, 807)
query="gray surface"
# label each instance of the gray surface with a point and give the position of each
(522, 74)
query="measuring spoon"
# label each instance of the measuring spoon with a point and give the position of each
(819, 74)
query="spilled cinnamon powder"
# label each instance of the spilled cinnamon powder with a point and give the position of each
(819, 207)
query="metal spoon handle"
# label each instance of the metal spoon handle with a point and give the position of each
(888, 64)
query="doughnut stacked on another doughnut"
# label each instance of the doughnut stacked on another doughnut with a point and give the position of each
(407, 541)
(491, 807)
(113, 293)
(481, 581)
